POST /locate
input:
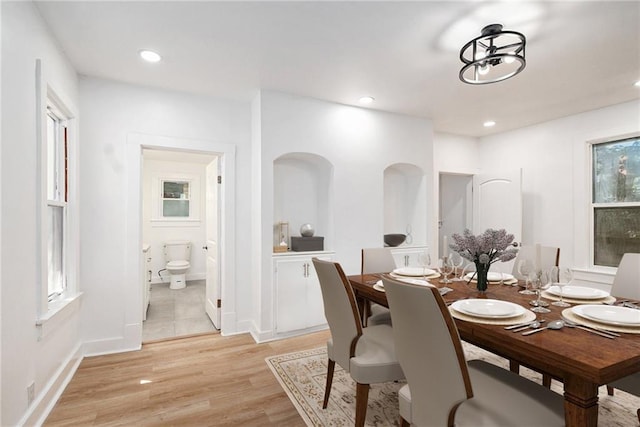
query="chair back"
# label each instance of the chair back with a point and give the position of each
(377, 260)
(340, 309)
(429, 351)
(549, 257)
(626, 283)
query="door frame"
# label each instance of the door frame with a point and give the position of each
(136, 142)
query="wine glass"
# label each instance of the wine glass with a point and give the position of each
(457, 262)
(446, 267)
(525, 268)
(541, 281)
(567, 277)
(424, 259)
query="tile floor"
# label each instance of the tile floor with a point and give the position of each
(175, 313)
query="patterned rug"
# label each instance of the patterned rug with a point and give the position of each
(303, 375)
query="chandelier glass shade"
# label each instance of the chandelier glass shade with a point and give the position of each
(494, 56)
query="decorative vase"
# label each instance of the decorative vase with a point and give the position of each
(482, 270)
(306, 230)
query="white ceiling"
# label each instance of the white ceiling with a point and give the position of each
(581, 55)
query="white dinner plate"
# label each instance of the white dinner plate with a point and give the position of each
(414, 271)
(492, 277)
(609, 314)
(415, 281)
(489, 308)
(577, 292)
(378, 286)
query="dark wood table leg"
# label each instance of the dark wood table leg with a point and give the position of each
(361, 302)
(580, 403)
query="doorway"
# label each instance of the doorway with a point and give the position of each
(180, 204)
(456, 206)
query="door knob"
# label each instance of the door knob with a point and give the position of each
(205, 248)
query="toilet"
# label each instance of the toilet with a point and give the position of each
(177, 255)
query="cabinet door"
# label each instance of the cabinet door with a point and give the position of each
(291, 294)
(315, 306)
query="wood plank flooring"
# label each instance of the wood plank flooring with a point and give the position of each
(206, 380)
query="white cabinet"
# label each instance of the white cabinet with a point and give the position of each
(298, 302)
(146, 285)
(408, 256)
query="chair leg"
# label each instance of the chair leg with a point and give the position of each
(514, 366)
(546, 380)
(327, 388)
(610, 390)
(362, 396)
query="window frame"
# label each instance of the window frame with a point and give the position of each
(162, 199)
(50, 101)
(593, 206)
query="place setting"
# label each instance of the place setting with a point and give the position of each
(604, 317)
(494, 278)
(491, 311)
(564, 293)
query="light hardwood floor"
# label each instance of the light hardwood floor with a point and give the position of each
(206, 380)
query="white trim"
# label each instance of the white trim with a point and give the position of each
(134, 257)
(47, 399)
(591, 205)
(46, 95)
(59, 310)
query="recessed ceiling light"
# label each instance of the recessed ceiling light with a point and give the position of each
(150, 56)
(367, 99)
(489, 123)
(637, 84)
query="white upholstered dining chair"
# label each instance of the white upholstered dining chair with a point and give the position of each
(443, 389)
(368, 354)
(549, 257)
(376, 260)
(626, 284)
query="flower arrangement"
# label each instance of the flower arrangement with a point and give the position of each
(483, 250)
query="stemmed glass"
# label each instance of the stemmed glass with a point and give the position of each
(541, 280)
(567, 277)
(424, 259)
(525, 268)
(446, 267)
(457, 262)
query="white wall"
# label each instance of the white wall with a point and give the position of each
(156, 233)
(112, 113)
(26, 359)
(554, 157)
(360, 144)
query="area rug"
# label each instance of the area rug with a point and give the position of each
(303, 375)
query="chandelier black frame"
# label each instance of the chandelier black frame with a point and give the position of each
(494, 56)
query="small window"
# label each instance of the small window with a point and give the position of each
(175, 199)
(616, 200)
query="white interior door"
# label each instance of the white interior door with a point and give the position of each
(212, 293)
(497, 203)
(456, 206)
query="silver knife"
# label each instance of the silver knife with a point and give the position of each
(520, 325)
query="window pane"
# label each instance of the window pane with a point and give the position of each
(175, 190)
(175, 208)
(616, 231)
(52, 158)
(55, 258)
(616, 171)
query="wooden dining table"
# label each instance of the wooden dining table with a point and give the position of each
(581, 360)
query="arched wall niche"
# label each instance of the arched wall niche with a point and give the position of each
(405, 202)
(302, 185)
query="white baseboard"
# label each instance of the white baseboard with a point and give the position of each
(46, 400)
(131, 341)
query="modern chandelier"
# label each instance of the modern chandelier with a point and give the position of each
(494, 56)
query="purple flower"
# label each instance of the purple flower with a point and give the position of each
(486, 248)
